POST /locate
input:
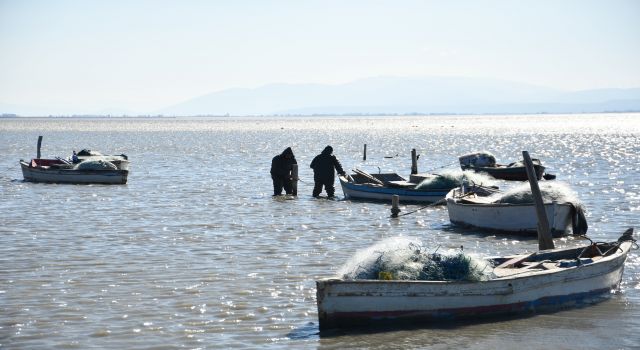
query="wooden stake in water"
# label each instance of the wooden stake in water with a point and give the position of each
(294, 178)
(39, 145)
(545, 241)
(364, 153)
(395, 206)
(414, 162)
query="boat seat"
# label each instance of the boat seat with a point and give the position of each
(475, 199)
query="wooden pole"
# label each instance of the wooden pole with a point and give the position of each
(545, 241)
(414, 162)
(364, 154)
(395, 206)
(294, 178)
(39, 145)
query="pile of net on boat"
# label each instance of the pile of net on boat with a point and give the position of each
(88, 152)
(551, 192)
(478, 159)
(454, 178)
(95, 165)
(401, 258)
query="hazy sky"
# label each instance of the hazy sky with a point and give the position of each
(88, 55)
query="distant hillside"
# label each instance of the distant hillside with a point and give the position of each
(405, 96)
(384, 95)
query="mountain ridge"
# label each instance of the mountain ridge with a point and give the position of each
(393, 95)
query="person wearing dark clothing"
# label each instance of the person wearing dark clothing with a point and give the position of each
(323, 166)
(281, 167)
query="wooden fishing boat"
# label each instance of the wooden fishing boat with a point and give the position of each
(383, 186)
(60, 171)
(544, 281)
(474, 208)
(485, 163)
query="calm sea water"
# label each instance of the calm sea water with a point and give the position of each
(194, 253)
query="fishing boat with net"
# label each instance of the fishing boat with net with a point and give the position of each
(420, 188)
(408, 285)
(59, 171)
(86, 167)
(485, 162)
(404, 281)
(514, 211)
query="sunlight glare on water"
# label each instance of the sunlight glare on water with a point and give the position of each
(194, 252)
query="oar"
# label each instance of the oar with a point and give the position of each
(368, 176)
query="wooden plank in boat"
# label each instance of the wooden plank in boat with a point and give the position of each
(403, 184)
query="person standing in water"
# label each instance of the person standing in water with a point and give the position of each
(281, 167)
(324, 166)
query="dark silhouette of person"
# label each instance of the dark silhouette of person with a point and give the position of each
(323, 166)
(281, 167)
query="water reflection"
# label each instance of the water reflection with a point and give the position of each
(193, 251)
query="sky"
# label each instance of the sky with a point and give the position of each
(139, 56)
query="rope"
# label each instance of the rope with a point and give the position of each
(442, 201)
(440, 167)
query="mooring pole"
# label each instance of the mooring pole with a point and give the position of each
(414, 162)
(294, 178)
(39, 145)
(364, 153)
(545, 241)
(395, 206)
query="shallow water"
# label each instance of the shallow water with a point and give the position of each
(194, 253)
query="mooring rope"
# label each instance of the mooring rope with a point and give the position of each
(442, 201)
(440, 167)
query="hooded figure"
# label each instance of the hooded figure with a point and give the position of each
(281, 167)
(323, 166)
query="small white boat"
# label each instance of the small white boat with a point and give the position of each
(60, 171)
(474, 208)
(544, 281)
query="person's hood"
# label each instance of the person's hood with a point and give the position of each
(327, 150)
(288, 152)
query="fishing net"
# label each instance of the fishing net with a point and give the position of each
(95, 165)
(551, 192)
(478, 159)
(401, 258)
(454, 178)
(88, 152)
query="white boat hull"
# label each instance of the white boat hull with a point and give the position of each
(50, 175)
(348, 303)
(512, 218)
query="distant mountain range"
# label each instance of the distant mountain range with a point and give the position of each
(432, 95)
(391, 95)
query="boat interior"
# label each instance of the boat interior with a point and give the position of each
(552, 259)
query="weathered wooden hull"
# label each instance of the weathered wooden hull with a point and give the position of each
(344, 303)
(72, 176)
(508, 173)
(510, 218)
(383, 193)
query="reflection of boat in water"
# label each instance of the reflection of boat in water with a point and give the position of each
(543, 281)
(481, 207)
(484, 162)
(59, 171)
(383, 186)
